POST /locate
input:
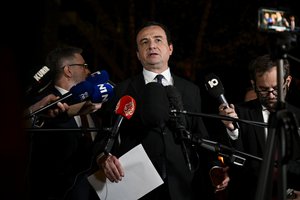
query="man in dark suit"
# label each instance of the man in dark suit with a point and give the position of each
(252, 139)
(57, 157)
(154, 48)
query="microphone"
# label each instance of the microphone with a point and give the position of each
(102, 93)
(99, 77)
(41, 80)
(94, 88)
(215, 88)
(78, 93)
(178, 122)
(125, 109)
(103, 90)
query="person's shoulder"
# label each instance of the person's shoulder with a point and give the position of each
(135, 78)
(251, 104)
(129, 86)
(293, 108)
(178, 80)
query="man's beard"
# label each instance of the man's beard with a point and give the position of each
(271, 106)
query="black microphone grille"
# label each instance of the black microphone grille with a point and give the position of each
(214, 85)
(174, 97)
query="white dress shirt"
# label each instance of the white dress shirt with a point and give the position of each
(150, 77)
(266, 115)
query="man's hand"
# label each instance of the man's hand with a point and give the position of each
(295, 195)
(83, 108)
(61, 107)
(112, 167)
(219, 178)
(229, 112)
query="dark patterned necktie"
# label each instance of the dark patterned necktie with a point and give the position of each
(159, 78)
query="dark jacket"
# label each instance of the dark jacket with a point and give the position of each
(252, 141)
(57, 157)
(164, 152)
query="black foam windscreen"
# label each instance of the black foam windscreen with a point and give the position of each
(175, 101)
(214, 85)
(154, 105)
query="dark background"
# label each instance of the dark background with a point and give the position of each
(208, 36)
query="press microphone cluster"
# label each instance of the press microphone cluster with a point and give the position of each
(125, 109)
(95, 88)
(215, 88)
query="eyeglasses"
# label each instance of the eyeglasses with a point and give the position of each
(267, 92)
(82, 65)
(274, 91)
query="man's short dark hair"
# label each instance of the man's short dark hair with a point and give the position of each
(154, 23)
(264, 63)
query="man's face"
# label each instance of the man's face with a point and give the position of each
(267, 90)
(76, 68)
(153, 48)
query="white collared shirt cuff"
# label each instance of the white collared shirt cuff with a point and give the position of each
(233, 134)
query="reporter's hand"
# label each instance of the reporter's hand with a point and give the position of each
(229, 112)
(61, 107)
(83, 108)
(89, 107)
(297, 193)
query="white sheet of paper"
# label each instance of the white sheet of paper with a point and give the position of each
(140, 178)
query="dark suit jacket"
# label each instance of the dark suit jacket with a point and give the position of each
(252, 141)
(159, 144)
(57, 157)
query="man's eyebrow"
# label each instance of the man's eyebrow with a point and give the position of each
(158, 36)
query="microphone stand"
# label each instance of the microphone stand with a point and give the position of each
(222, 117)
(235, 157)
(63, 129)
(282, 125)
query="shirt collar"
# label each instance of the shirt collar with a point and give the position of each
(265, 113)
(150, 76)
(61, 90)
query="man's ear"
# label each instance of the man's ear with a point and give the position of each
(67, 71)
(171, 48)
(288, 80)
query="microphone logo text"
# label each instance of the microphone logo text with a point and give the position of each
(83, 96)
(38, 76)
(213, 82)
(104, 92)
